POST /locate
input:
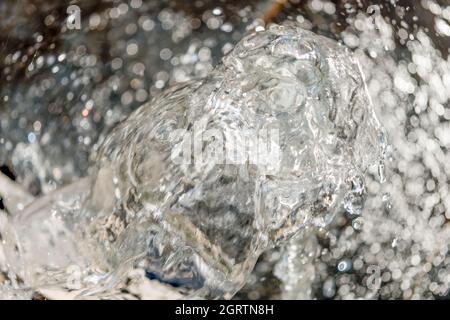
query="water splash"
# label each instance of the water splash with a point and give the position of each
(203, 225)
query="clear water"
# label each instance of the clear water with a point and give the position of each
(57, 112)
(201, 221)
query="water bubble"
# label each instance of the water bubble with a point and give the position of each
(344, 266)
(329, 288)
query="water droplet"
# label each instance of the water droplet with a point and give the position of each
(357, 223)
(344, 266)
(381, 173)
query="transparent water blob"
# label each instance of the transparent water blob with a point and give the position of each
(197, 183)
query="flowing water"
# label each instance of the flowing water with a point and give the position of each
(188, 182)
(182, 187)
